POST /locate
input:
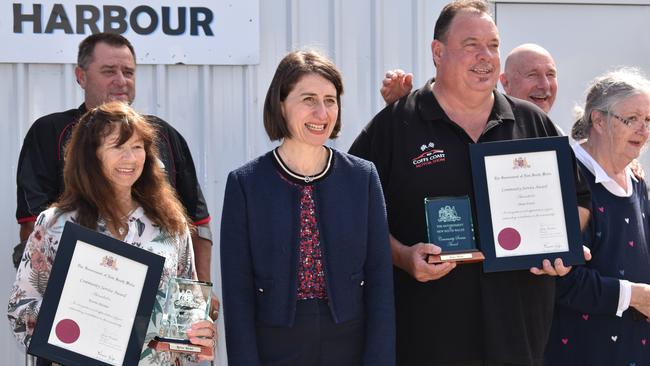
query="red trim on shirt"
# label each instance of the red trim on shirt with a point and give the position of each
(201, 222)
(61, 135)
(23, 220)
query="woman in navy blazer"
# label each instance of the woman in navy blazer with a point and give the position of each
(306, 266)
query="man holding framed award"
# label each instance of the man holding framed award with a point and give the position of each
(449, 314)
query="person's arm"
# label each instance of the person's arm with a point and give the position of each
(191, 196)
(413, 260)
(380, 312)
(640, 298)
(30, 283)
(202, 253)
(585, 290)
(26, 229)
(201, 333)
(36, 179)
(395, 85)
(238, 278)
(203, 260)
(374, 144)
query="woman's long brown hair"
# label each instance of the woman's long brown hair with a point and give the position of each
(88, 190)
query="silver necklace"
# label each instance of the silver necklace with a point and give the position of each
(306, 178)
(121, 230)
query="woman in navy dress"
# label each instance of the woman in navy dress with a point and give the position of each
(602, 307)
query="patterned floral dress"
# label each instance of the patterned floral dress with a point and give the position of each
(36, 265)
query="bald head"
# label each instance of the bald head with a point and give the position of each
(530, 74)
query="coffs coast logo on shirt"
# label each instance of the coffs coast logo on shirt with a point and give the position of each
(428, 155)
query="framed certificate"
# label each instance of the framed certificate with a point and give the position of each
(98, 301)
(526, 203)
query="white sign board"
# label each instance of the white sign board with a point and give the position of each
(203, 32)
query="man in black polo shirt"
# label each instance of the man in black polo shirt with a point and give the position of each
(448, 314)
(106, 72)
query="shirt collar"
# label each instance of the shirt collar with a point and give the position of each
(430, 110)
(599, 173)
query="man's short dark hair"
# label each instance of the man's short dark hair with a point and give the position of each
(87, 46)
(291, 69)
(449, 12)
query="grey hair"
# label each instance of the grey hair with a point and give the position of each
(604, 93)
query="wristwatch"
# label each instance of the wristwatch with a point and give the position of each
(204, 232)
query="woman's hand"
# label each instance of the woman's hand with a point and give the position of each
(640, 299)
(215, 305)
(203, 333)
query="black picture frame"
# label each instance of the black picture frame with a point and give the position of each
(566, 169)
(73, 233)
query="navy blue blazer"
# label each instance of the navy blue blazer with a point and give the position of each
(259, 251)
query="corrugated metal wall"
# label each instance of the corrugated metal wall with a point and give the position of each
(218, 108)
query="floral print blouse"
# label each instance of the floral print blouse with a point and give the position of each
(34, 272)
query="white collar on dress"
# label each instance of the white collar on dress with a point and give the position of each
(601, 176)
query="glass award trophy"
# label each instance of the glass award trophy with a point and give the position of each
(187, 302)
(449, 225)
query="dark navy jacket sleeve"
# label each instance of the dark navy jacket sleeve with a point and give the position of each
(585, 290)
(380, 326)
(237, 277)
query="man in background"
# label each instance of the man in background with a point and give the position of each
(106, 72)
(529, 73)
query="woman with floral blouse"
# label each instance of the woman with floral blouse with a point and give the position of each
(113, 184)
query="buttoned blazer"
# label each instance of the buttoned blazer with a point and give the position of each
(259, 251)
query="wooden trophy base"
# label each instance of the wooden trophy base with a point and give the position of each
(164, 344)
(460, 257)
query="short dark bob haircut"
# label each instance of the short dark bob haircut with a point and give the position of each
(291, 69)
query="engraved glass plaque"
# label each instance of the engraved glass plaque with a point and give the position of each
(187, 302)
(449, 225)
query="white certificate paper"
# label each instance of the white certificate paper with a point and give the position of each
(526, 204)
(98, 304)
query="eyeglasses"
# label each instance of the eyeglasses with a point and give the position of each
(633, 122)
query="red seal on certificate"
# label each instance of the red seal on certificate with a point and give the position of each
(509, 238)
(67, 330)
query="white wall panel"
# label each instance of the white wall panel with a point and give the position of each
(219, 108)
(589, 40)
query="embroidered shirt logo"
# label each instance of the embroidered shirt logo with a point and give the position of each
(448, 214)
(429, 155)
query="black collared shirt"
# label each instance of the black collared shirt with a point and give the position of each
(467, 315)
(40, 165)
